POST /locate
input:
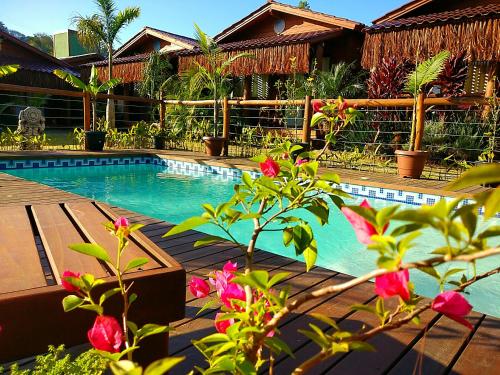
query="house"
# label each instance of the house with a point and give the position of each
(283, 40)
(421, 28)
(36, 66)
(130, 59)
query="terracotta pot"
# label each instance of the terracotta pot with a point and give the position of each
(411, 163)
(214, 145)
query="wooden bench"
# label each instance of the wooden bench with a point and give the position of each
(34, 254)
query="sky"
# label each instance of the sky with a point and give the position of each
(177, 16)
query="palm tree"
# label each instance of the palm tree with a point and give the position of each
(101, 30)
(93, 87)
(341, 80)
(213, 74)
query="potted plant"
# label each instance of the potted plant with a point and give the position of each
(213, 75)
(95, 138)
(159, 135)
(411, 162)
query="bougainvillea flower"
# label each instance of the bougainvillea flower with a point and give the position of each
(230, 267)
(106, 334)
(220, 281)
(270, 168)
(393, 284)
(231, 292)
(364, 229)
(454, 306)
(267, 318)
(121, 222)
(299, 162)
(317, 105)
(66, 284)
(222, 325)
(199, 288)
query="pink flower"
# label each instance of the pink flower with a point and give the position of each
(66, 283)
(121, 222)
(220, 281)
(199, 288)
(317, 105)
(106, 334)
(222, 325)
(454, 306)
(270, 168)
(299, 162)
(267, 318)
(393, 284)
(230, 267)
(232, 292)
(364, 229)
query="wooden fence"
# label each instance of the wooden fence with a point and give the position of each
(422, 104)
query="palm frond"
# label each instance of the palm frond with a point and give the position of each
(109, 84)
(91, 32)
(206, 44)
(71, 79)
(8, 69)
(426, 72)
(122, 19)
(107, 8)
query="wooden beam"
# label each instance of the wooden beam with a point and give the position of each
(306, 127)
(39, 90)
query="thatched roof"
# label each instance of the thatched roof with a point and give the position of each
(271, 55)
(475, 30)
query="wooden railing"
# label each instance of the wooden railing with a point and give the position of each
(422, 104)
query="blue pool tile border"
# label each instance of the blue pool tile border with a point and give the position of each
(194, 169)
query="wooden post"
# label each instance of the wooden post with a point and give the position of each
(226, 117)
(490, 87)
(162, 112)
(86, 111)
(420, 121)
(306, 127)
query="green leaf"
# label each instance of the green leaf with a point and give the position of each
(161, 366)
(136, 263)
(361, 346)
(150, 330)
(331, 177)
(452, 272)
(388, 263)
(491, 231)
(310, 254)
(186, 225)
(208, 240)
(277, 346)
(132, 298)
(95, 308)
(325, 319)
(259, 158)
(125, 367)
(91, 249)
(302, 237)
(108, 294)
(71, 302)
(247, 179)
(255, 279)
(359, 307)
(287, 236)
(279, 277)
(492, 204)
(483, 174)
(406, 228)
(320, 212)
(426, 72)
(430, 271)
(132, 327)
(311, 168)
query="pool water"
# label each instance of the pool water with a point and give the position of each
(170, 195)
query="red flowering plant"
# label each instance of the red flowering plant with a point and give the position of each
(253, 302)
(113, 338)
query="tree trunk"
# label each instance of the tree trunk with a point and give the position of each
(110, 106)
(94, 114)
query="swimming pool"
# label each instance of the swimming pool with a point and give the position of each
(175, 193)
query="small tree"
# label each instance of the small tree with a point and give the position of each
(426, 72)
(93, 87)
(214, 74)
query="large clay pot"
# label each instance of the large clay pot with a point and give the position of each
(214, 145)
(411, 163)
(95, 140)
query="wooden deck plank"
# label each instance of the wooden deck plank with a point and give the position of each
(20, 270)
(57, 232)
(435, 351)
(91, 220)
(482, 354)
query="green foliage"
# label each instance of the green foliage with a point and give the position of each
(58, 362)
(158, 69)
(8, 69)
(426, 72)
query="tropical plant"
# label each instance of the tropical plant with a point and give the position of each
(157, 70)
(452, 79)
(93, 87)
(387, 80)
(341, 80)
(102, 29)
(213, 73)
(426, 72)
(8, 69)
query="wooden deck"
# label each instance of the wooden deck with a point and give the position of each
(437, 346)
